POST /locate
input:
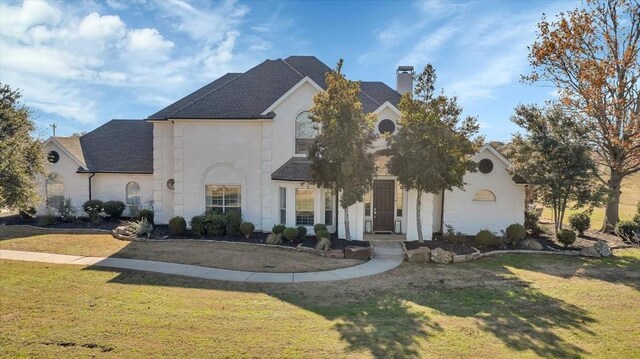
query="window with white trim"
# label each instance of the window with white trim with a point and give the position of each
(484, 195)
(328, 208)
(305, 207)
(223, 199)
(306, 132)
(283, 205)
(132, 194)
(55, 191)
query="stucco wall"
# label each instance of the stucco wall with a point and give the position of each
(112, 187)
(468, 216)
(162, 171)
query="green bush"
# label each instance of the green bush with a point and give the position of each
(232, 221)
(515, 233)
(177, 226)
(580, 222)
(636, 219)
(455, 239)
(214, 223)
(198, 225)
(28, 213)
(486, 239)
(147, 214)
(247, 228)
(278, 228)
(302, 233)
(114, 209)
(290, 234)
(93, 207)
(626, 229)
(322, 234)
(531, 223)
(566, 237)
(319, 227)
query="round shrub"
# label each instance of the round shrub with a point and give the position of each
(114, 209)
(232, 221)
(92, 208)
(319, 227)
(322, 234)
(486, 239)
(198, 225)
(247, 228)
(302, 233)
(580, 222)
(515, 233)
(278, 228)
(147, 214)
(214, 223)
(626, 229)
(566, 237)
(177, 226)
(290, 234)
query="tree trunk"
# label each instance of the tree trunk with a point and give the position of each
(347, 232)
(418, 216)
(611, 215)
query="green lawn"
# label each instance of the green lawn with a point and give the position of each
(503, 307)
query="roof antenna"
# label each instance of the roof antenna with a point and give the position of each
(53, 125)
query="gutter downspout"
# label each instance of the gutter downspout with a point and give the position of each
(90, 177)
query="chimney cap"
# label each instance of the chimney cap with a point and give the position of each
(405, 68)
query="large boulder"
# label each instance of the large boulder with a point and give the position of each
(420, 254)
(439, 255)
(355, 252)
(530, 243)
(589, 252)
(603, 248)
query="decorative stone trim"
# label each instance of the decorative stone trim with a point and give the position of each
(458, 258)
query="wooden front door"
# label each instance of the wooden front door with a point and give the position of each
(383, 205)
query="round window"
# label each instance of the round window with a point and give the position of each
(485, 166)
(170, 183)
(386, 126)
(53, 156)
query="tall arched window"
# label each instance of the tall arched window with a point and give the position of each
(484, 195)
(133, 194)
(306, 131)
(55, 191)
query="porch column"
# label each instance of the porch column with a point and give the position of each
(356, 221)
(426, 212)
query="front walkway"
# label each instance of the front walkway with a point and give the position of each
(386, 258)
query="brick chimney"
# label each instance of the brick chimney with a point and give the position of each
(404, 80)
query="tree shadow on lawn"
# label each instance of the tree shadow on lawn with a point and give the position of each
(393, 317)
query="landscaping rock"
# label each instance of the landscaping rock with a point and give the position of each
(589, 252)
(439, 255)
(531, 243)
(603, 248)
(421, 254)
(357, 252)
(122, 233)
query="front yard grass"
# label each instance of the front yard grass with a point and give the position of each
(208, 254)
(508, 306)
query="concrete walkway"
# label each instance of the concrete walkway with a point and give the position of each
(387, 257)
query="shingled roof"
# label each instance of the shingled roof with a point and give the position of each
(248, 95)
(295, 169)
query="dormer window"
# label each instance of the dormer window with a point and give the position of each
(306, 132)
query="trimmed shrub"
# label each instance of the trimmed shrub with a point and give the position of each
(198, 225)
(114, 209)
(68, 213)
(232, 221)
(515, 233)
(273, 238)
(580, 222)
(486, 239)
(147, 214)
(214, 223)
(324, 244)
(177, 226)
(278, 228)
(290, 234)
(566, 237)
(28, 213)
(92, 208)
(247, 228)
(302, 233)
(626, 229)
(322, 234)
(319, 227)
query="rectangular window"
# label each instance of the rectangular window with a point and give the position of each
(399, 199)
(223, 198)
(283, 205)
(328, 208)
(304, 207)
(367, 204)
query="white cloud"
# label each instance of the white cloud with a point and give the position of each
(16, 20)
(101, 28)
(149, 41)
(425, 50)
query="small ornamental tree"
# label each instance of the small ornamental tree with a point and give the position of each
(432, 134)
(340, 155)
(554, 157)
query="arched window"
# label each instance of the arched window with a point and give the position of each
(484, 195)
(133, 194)
(55, 191)
(306, 132)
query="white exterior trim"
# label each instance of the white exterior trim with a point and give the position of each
(66, 151)
(388, 105)
(306, 79)
(496, 153)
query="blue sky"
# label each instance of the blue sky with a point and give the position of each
(82, 63)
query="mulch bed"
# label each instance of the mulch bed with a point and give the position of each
(464, 246)
(105, 223)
